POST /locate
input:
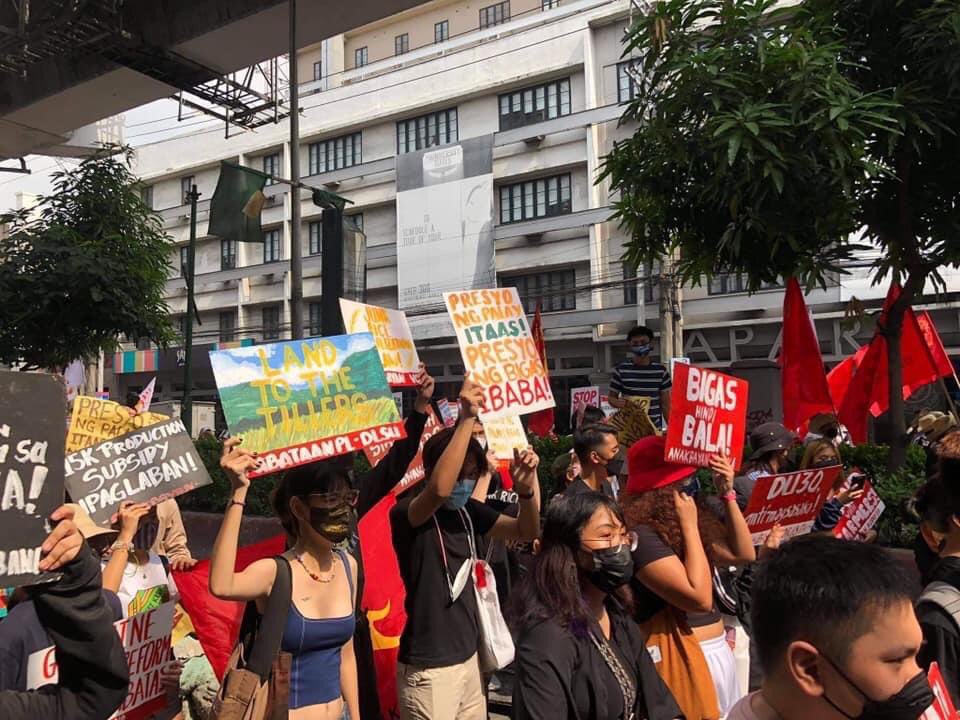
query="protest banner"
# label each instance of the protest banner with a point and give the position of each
(392, 336)
(95, 420)
(146, 643)
(942, 708)
(146, 396)
(581, 398)
(150, 465)
(708, 416)
(633, 422)
(32, 408)
(608, 409)
(792, 499)
(860, 516)
(449, 411)
(414, 474)
(499, 351)
(504, 435)
(301, 401)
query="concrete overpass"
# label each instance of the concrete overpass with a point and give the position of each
(65, 64)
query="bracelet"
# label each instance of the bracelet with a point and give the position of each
(120, 545)
(235, 502)
(525, 497)
(730, 496)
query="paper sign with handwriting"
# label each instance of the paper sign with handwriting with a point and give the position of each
(793, 500)
(504, 435)
(860, 516)
(414, 474)
(499, 352)
(95, 420)
(301, 401)
(392, 336)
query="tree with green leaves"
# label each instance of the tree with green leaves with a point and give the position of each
(87, 264)
(770, 137)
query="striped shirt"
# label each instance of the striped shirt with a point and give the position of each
(631, 380)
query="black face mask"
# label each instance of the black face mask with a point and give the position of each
(614, 467)
(335, 524)
(908, 704)
(612, 568)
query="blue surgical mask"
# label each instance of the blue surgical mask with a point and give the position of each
(641, 350)
(461, 493)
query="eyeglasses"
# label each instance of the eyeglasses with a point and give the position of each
(334, 499)
(628, 538)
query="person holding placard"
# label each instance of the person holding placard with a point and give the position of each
(679, 541)
(771, 443)
(641, 377)
(315, 507)
(435, 529)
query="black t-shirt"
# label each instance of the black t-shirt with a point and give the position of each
(941, 638)
(578, 487)
(438, 633)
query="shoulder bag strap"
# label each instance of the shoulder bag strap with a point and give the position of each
(267, 643)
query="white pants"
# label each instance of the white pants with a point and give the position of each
(741, 653)
(723, 669)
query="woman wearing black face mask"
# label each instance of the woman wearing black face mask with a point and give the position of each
(579, 655)
(315, 508)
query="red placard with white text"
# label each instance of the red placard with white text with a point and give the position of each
(793, 499)
(375, 452)
(708, 416)
(860, 516)
(942, 708)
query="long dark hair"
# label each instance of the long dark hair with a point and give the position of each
(302, 482)
(552, 587)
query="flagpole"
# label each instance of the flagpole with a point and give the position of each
(186, 411)
(296, 255)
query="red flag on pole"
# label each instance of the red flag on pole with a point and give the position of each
(540, 423)
(839, 378)
(803, 377)
(931, 339)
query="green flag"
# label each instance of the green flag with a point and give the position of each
(236, 204)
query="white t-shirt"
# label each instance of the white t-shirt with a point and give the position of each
(145, 587)
(743, 710)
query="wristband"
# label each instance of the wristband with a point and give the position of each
(730, 496)
(236, 502)
(120, 545)
(525, 497)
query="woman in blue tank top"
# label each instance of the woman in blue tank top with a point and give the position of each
(315, 508)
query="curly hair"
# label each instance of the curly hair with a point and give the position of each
(657, 510)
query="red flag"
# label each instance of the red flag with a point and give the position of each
(540, 423)
(839, 378)
(931, 339)
(803, 378)
(382, 601)
(216, 621)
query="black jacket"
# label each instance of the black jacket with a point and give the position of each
(557, 675)
(92, 665)
(941, 637)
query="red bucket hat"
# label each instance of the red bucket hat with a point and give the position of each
(646, 468)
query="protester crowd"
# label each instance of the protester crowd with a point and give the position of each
(636, 592)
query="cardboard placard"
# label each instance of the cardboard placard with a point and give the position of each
(499, 352)
(449, 411)
(708, 417)
(150, 465)
(504, 435)
(415, 473)
(94, 420)
(146, 643)
(860, 516)
(792, 499)
(32, 409)
(301, 401)
(392, 336)
(942, 708)
(581, 398)
(633, 422)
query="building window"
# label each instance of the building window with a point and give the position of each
(734, 283)
(360, 57)
(494, 14)
(335, 153)
(316, 237)
(555, 290)
(438, 128)
(228, 254)
(271, 323)
(146, 194)
(318, 71)
(313, 322)
(626, 85)
(228, 326)
(549, 4)
(535, 104)
(271, 166)
(184, 260)
(401, 44)
(186, 185)
(441, 31)
(271, 246)
(532, 199)
(357, 219)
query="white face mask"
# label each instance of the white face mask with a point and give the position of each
(460, 582)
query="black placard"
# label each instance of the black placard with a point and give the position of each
(151, 464)
(33, 411)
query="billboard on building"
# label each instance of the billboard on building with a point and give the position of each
(444, 222)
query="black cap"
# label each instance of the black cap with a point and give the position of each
(770, 437)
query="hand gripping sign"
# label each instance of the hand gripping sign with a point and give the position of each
(792, 499)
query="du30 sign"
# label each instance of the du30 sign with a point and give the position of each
(792, 500)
